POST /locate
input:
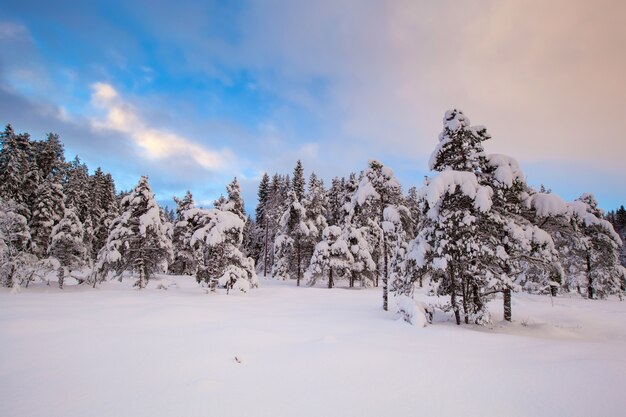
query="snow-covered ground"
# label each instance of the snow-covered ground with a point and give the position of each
(286, 351)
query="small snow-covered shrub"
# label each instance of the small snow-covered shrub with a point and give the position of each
(414, 312)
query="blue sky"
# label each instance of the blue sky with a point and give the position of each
(194, 93)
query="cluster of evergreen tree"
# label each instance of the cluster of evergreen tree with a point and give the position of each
(49, 208)
(473, 230)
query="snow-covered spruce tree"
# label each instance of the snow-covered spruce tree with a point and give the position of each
(104, 208)
(272, 212)
(184, 260)
(137, 240)
(363, 266)
(288, 256)
(234, 200)
(49, 156)
(76, 188)
(448, 247)
(377, 190)
(217, 240)
(601, 246)
(331, 256)
(67, 244)
(47, 211)
(15, 157)
(473, 239)
(315, 205)
(15, 245)
(297, 183)
(336, 199)
(515, 243)
(397, 220)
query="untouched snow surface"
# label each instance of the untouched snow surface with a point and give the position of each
(286, 351)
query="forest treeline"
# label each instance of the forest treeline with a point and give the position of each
(474, 229)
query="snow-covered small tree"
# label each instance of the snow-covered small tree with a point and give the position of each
(67, 244)
(331, 256)
(184, 260)
(137, 239)
(217, 241)
(377, 190)
(363, 266)
(234, 201)
(288, 253)
(15, 243)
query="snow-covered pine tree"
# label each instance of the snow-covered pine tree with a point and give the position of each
(217, 241)
(184, 259)
(137, 240)
(363, 266)
(104, 208)
(331, 257)
(288, 256)
(76, 189)
(515, 244)
(263, 195)
(15, 157)
(335, 198)
(377, 190)
(234, 201)
(49, 156)
(88, 240)
(274, 208)
(67, 244)
(15, 245)
(448, 246)
(603, 271)
(297, 183)
(315, 205)
(48, 210)
(460, 145)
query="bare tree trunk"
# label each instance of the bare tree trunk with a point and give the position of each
(455, 307)
(330, 278)
(589, 278)
(61, 276)
(386, 260)
(298, 261)
(464, 291)
(507, 304)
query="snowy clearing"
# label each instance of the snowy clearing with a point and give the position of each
(287, 351)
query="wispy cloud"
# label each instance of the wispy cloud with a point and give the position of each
(14, 31)
(155, 143)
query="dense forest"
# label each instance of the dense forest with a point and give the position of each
(474, 229)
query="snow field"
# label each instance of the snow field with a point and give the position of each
(116, 351)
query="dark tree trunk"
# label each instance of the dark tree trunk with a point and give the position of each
(455, 307)
(465, 295)
(330, 278)
(386, 260)
(61, 275)
(351, 279)
(298, 261)
(507, 304)
(589, 278)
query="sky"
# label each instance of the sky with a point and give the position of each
(194, 93)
